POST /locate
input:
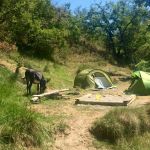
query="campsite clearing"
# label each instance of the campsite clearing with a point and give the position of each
(79, 118)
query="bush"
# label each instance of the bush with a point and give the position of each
(122, 123)
(143, 66)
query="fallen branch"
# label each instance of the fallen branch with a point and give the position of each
(50, 93)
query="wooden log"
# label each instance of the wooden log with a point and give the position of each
(99, 103)
(46, 94)
(63, 90)
(50, 93)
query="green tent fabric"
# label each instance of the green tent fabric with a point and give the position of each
(140, 83)
(92, 78)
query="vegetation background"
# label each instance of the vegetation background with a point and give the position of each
(40, 29)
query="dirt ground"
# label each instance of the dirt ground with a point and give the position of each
(81, 118)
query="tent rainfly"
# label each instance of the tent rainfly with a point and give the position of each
(92, 78)
(140, 83)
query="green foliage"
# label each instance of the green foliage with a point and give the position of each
(143, 66)
(119, 30)
(19, 123)
(143, 52)
(32, 26)
(46, 41)
(122, 25)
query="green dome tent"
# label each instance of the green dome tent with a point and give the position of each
(140, 83)
(92, 78)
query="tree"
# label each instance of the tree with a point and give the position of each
(121, 24)
(32, 26)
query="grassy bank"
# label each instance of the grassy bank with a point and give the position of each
(19, 126)
(125, 129)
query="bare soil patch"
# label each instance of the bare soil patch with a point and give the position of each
(79, 120)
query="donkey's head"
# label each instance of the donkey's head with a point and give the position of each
(42, 85)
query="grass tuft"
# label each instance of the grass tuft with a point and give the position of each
(62, 127)
(122, 123)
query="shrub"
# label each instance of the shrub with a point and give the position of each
(121, 123)
(62, 127)
(143, 66)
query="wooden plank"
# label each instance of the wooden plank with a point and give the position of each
(107, 100)
(134, 97)
(85, 96)
(99, 103)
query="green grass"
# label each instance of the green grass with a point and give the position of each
(62, 76)
(125, 129)
(19, 125)
(59, 75)
(136, 143)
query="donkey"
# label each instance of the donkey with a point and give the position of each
(35, 77)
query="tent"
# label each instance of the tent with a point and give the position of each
(140, 84)
(92, 78)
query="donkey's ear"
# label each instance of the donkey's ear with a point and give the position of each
(48, 80)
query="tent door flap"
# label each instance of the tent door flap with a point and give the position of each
(101, 82)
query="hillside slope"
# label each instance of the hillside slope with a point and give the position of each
(72, 121)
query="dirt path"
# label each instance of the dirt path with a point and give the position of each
(79, 136)
(12, 66)
(8, 65)
(79, 119)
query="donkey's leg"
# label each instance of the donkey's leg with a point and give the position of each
(30, 85)
(38, 88)
(27, 87)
